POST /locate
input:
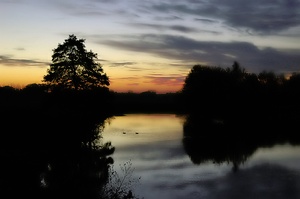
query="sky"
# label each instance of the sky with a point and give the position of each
(150, 45)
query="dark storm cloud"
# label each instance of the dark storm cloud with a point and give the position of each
(20, 49)
(206, 20)
(182, 28)
(89, 8)
(78, 8)
(122, 64)
(179, 28)
(255, 16)
(167, 18)
(261, 16)
(9, 61)
(212, 52)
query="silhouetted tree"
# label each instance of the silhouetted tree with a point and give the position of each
(295, 79)
(270, 81)
(204, 87)
(9, 97)
(73, 67)
(237, 72)
(292, 86)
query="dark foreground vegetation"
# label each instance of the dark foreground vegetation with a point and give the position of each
(51, 145)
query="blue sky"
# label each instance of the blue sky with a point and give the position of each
(150, 45)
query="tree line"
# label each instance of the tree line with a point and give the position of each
(75, 81)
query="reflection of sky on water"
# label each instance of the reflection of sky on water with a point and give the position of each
(284, 155)
(158, 157)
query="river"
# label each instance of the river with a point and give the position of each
(153, 146)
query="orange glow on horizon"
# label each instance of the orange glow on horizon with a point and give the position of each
(20, 77)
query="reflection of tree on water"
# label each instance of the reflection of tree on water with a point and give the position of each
(82, 171)
(220, 142)
(80, 175)
(53, 156)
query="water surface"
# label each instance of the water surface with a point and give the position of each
(153, 143)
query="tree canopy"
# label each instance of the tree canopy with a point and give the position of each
(73, 67)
